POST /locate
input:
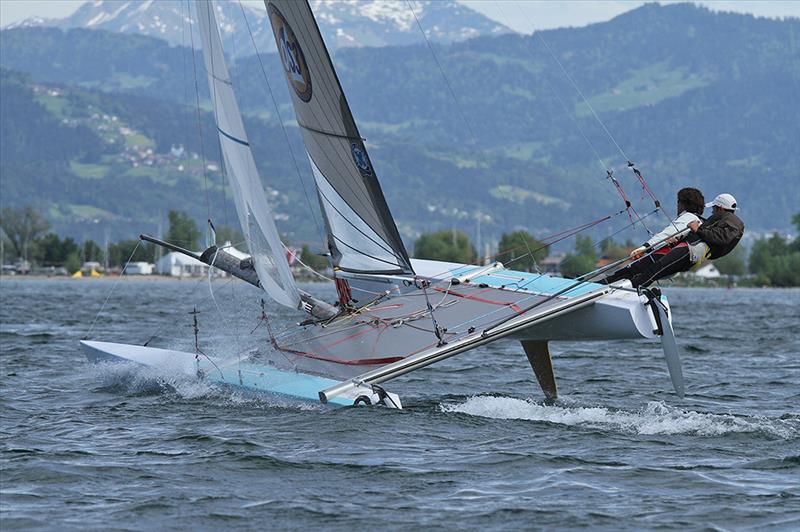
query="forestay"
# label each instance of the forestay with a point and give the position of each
(255, 215)
(362, 235)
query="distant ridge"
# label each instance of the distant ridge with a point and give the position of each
(343, 23)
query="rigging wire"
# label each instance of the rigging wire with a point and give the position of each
(602, 124)
(547, 241)
(444, 76)
(568, 286)
(580, 93)
(171, 324)
(609, 172)
(199, 121)
(323, 238)
(312, 270)
(560, 236)
(187, 20)
(111, 290)
(223, 166)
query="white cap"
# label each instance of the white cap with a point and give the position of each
(726, 201)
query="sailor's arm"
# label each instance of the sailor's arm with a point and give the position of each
(679, 224)
(717, 234)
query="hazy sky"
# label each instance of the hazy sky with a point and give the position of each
(521, 15)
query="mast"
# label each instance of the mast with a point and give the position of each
(255, 215)
(362, 235)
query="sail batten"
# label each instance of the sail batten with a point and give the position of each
(362, 235)
(255, 216)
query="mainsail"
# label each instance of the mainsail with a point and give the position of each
(255, 215)
(362, 235)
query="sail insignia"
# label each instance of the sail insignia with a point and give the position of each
(361, 160)
(291, 54)
(362, 235)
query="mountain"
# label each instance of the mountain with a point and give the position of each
(344, 23)
(695, 98)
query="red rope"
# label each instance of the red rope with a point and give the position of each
(645, 186)
(513, 306)
(628, 205)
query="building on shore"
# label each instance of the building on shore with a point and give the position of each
(140, 268)
(177, 264)
(707, 271)
(552, 263)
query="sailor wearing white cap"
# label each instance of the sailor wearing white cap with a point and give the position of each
(724, 201)
(712, 239)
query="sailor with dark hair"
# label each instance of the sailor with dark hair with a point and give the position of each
(712, 239)
(690, 209)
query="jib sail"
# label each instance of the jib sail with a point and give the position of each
(255, 215)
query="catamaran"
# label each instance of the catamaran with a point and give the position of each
(406, 314)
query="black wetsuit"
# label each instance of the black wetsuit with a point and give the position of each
(721, 233)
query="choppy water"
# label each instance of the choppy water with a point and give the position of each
(475, 448)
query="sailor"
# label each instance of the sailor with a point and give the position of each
(690, 209)
(709, 240)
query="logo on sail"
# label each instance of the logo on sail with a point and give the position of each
(361, 160)
(294, 62)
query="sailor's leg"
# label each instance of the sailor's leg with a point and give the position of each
(673, 262)
(538, 353)
(628, 272)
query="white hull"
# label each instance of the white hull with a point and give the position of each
(239, 374)
(620, 315)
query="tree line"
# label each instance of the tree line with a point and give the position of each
(770, 261)
(26, 237)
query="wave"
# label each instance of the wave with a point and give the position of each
(132, 379)
(655, 418)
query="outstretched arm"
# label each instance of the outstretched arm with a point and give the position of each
(679, 224)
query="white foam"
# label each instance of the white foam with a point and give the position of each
(137, 379)
(655, 418)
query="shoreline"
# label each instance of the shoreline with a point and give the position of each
(153, 278)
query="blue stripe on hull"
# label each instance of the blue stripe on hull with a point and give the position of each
(267, 379)
(523, 281)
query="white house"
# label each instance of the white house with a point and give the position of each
(708, 271)
(179, 265)
(139, 268)
(228, 247)
(552, 263)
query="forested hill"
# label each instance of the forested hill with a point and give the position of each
(693, 97)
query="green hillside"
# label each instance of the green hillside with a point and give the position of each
(693, 97)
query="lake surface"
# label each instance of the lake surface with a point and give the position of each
(118, 447)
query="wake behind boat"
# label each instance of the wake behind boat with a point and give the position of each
(394, 314)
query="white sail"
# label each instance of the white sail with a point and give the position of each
(255, 215)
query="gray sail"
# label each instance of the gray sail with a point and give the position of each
(255, 215)
(362, 235)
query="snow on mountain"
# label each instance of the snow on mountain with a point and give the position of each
(342, 22)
